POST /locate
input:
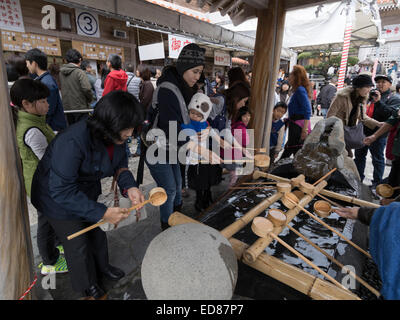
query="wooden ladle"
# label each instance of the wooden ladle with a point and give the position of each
(263, 228)
(278, 219)
(262, 150)
(157, 197)
(385, 190)
(322, 208)
(295, 204)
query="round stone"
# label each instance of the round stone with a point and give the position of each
(189, 262)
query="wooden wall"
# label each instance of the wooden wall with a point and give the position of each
(31, 11)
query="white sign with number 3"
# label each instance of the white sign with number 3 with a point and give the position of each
(87, 23)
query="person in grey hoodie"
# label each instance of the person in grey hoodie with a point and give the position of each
(76, 90)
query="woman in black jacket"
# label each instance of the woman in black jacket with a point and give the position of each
(67, 183)
(166, 169)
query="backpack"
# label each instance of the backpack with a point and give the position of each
(152, 116)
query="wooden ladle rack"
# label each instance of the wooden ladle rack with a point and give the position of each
(255, 256)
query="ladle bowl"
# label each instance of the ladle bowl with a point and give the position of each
(261, 160)
(306, 187)
(385, 190)
(286, 200)
(297, 180)
(322, 208)
(283, 187)
(158, 196)
(262, 226)
(277, 217)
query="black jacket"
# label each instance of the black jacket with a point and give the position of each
(168, 106)
(67, 181)
(384, 109)
(326, 96)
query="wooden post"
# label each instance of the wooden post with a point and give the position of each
(16, 256)
(267, 54)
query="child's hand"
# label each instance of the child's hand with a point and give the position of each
(247, 153)
(203, 134)
(214, 158)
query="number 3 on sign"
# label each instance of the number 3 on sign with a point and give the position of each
(87, 23)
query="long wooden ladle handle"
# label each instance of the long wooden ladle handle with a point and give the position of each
(324, 177)
(253, 188)
(294, 251)
(330, 228)
(374, 291)
(101, 222)
(329, 200)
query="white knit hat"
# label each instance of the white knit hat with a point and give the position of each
(201, 103)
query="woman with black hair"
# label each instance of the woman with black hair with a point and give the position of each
(236, 97)
(172, 111)
(236, 74)
(67, 183)
(219, 83)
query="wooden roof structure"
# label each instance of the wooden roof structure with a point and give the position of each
(242, 10)
(271, 21)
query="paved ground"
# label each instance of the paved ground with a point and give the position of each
(128, 245)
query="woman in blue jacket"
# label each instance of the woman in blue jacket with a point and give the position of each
(67, 183)
(299, 110)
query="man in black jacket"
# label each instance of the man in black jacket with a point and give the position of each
(326, 95)
(382, 105)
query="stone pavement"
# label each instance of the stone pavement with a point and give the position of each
(127, 245)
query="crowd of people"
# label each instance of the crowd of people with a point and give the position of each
(66, 152)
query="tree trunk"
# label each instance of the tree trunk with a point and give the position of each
(16, 257)
(267, 54)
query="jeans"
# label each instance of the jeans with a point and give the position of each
(324, 112)
(128, 151)
(168, 176)
(138, 145)
(378, 159)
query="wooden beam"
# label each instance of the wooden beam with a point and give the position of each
(16, 256)
(257, 4)
(267, 53)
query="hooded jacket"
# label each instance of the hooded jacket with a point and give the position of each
(116, 80)
(55, 117)
(341, 108)
(76, 90)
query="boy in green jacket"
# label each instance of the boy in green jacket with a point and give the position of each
(33, 136)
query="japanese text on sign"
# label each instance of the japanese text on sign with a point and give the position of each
(175, 45)
(11, 16)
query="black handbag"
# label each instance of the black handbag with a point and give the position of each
(354, 135)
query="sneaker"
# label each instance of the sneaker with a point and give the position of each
(61, 249)
(59, 267)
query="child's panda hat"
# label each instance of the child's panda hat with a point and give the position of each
(201, 103)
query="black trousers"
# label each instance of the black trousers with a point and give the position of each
(86, 255)
(294, 143)
(47, 241)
